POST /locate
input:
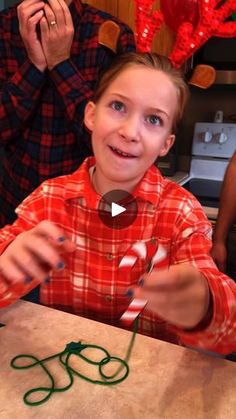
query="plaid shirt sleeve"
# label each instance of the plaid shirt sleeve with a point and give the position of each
(33, 213)
(18, 98)
(192, 244)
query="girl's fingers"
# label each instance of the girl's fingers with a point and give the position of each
(50, 230)
(177, 277)
(11, 272)
(30, 267)
(3, 287)
(44, 250)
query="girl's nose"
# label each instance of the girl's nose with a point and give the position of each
(130, 129)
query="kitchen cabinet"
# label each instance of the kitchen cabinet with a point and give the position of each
(125, 10)
(109, 6)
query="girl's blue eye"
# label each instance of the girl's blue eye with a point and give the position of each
(154, 120)
(117, 106)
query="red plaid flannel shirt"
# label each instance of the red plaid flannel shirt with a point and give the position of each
(41, 114)
(93, 285)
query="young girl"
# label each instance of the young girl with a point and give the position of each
(60, 242)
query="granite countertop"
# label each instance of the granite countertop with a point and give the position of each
(179, 177)
(165, 380)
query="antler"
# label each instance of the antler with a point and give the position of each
(211, 23)
(148, 23)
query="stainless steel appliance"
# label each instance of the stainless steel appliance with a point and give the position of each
(213, 145)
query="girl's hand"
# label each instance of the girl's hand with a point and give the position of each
(33, 254)
(180, 295)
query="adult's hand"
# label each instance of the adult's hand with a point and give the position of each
(29, 14)
(57, 32)
(219, 254)
(179, 295)
(33, 254)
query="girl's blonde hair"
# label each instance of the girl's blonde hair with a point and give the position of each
(149, 60)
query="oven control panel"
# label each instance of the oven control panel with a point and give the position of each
(212, 139)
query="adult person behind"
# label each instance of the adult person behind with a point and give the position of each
(50, 59)
(226, 216)
(59, 240)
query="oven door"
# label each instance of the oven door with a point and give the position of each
(206, 191)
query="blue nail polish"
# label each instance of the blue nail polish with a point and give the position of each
(60, 265)
(47, 281)
(141, 282)
(27, 280)
(61, 239)
(129, 293)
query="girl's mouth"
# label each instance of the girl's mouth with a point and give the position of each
(121, 153)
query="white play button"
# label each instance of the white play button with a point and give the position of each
(116, 209)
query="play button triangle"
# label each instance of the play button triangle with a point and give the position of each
(116, 209)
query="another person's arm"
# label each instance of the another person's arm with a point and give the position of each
(20, 92)
(226, 215)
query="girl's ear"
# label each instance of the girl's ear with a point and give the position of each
(89, 115)
(168, 144)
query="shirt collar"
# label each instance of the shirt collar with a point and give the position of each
(150, 186)
(79, 185)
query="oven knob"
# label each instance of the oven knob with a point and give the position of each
(207, 136)
(222, 138)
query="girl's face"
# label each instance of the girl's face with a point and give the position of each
(131, 126)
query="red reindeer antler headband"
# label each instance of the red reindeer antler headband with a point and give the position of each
(212, 15)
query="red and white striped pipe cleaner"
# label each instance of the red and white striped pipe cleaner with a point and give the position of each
(159, 259)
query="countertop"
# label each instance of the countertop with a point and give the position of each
(180, 177)
(165, 380)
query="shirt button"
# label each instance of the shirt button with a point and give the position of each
(109, 256)
(108, 298)
(153, 240)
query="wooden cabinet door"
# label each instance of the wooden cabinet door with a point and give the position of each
(109, 6)
(125, 10)
(163, 40)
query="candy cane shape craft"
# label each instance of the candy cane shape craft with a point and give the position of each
(144, 251)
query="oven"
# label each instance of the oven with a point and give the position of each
(213, 146)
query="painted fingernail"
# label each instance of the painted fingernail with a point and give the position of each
(141, 282)
(60, 265)
(129, 293)
(27, 279)
(61, 239)
(47, 281)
